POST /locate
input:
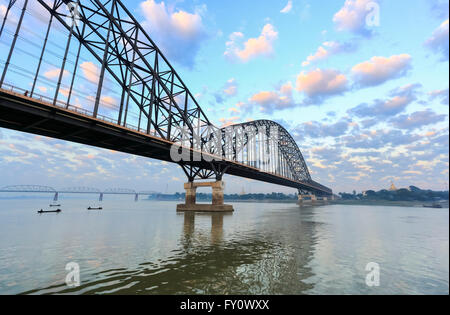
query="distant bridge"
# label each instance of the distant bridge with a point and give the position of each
(75, 190)
(128, 97)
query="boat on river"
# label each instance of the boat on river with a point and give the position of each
(49, 211)
(99, 208)
(434, 206)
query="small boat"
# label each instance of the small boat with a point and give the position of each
(49, 211)
(99, 208)
(55, 205)
(434, 206)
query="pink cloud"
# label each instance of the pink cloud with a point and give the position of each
(287, 8)
(2, 10)
(268, 101)
(439, 41)
(318, 83)
(54, 73)
(352, 16)
(90, 71)
(381, 69)
(326, 50)
(231, 88)
(178, 33)
(253, 47)
(229, 121)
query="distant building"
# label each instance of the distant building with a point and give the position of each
(393, 188)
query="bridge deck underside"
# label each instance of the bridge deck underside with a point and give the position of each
(25, 114)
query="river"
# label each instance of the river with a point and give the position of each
(262, 248)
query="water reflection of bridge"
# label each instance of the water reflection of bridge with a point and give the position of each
(218, 259)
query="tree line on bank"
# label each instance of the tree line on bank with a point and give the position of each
(411, 194)
(229, 197)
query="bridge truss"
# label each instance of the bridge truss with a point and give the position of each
(75, 190)
(113, 88)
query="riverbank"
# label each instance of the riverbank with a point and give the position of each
(386, 203)
(379, 203)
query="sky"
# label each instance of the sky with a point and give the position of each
(362, 86)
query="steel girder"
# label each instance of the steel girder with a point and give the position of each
(28, 188)
(5, 17)
(114, 37)
(119, 191)
(80, 190)
(228, 146)
(286, 144)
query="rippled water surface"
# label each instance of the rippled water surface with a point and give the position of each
(147, 248)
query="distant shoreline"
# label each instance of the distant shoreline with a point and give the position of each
(380, 203)
(410, 204)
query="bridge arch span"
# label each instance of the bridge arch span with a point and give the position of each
(286, 143)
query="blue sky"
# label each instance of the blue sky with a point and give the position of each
(364, 94)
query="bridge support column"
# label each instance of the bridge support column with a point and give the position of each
(191, 193)
(309, 198)
(217, 198)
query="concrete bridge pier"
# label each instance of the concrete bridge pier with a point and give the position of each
(217, 198)
(303, 198)
(314, 199)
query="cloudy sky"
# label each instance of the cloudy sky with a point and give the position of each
(361, 85)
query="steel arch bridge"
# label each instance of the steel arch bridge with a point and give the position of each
(74, 190)
(114, 89)
(28, 189)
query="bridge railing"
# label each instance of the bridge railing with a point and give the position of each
(73, 108)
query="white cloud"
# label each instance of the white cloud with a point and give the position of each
(439, 41)
(231, 88)
(2, 10)
(319, 83)
(287, 8)
(91, 71)
(178, 34)
(54, 73)
(253, 47)
(326, 50)
(381, 69)
(42, 89)
(352, 16)
(268, 101)
(229, 121)
(441, 95)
